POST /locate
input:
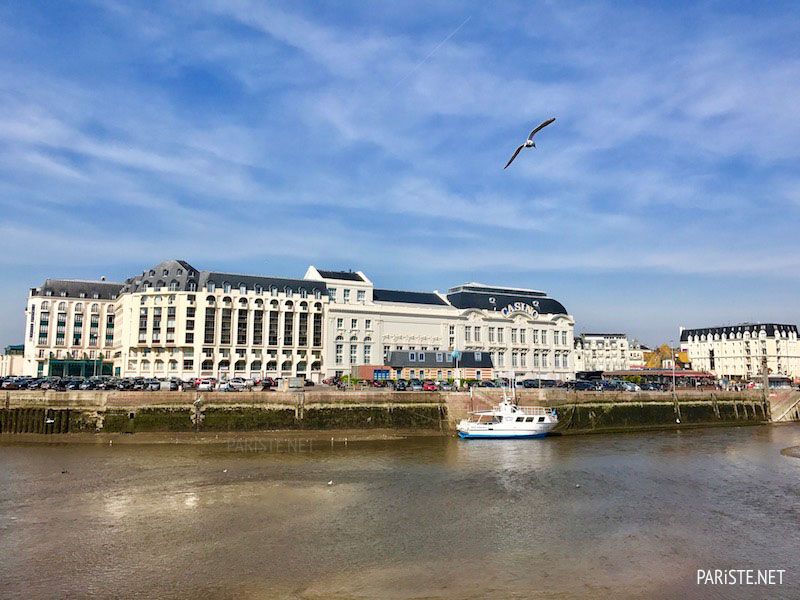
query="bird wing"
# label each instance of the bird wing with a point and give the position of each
(510, 160)
(540, 127)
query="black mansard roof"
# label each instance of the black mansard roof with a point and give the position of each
(79, 288)
(468, 360)
(496, 298)
(770, 328)
(343, 275)
(407, 297)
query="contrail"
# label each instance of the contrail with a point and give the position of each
(431, 53)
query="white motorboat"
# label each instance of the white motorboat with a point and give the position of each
(508, 420)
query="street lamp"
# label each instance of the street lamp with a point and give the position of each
(672, 351)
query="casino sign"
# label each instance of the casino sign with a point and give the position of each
(521, 307)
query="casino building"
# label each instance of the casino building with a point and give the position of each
(173, 320)
(737, 352)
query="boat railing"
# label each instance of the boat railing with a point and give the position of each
(534, 410)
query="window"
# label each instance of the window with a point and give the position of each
(439, 357)
(368, 323)
(500, 331)
(361, 296)
(339, 348)
(513, 336)
(353, 323)
(412, 356)
(544, 337)
(242, 288)
(477, 334)
(491, 335)
(339, 323)
(210, 286)
(421, 357)
(478, 356)
(353, 354)
(535, 336)
(522, 336)
(367, 353)
(226, 287)
(346, 296)
(332, 294)
(564, 338)
(468, 333)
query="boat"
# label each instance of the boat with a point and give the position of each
(508, 420)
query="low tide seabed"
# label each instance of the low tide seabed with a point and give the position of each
(389, 515)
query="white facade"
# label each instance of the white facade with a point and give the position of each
(738, 351)
(602, 352)
(176, 321)
(363, 324)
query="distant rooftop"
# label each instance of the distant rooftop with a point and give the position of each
(409, 297)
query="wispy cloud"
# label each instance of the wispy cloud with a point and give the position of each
(234, 132)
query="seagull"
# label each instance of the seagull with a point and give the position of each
(529, 142)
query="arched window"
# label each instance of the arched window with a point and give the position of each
(240, 365)
(110, 309)
(95, 308)
(255, 365)
(171, 300)
(207, 365)
(159, 365)
(192, 286)
(318, 306)
(227, 301)
(316, 366)
(304, 306)
(45, 305)
(224, 365)
(145, 365)
(272, 366)
(353, 338)
(152, 272)
(274, 305)
(62, 306)
(242, 288)
(173, 286)
(288, 291)
(243, 302)
(165, 272)
(301, 366)
(317, 294)
(210, 300)
(160, 283)
(273, 291)
(303, 293)
(259, 290)
(286, 366)
(78, 307)
(226, 287)
(339, 338)
(259, 303)
(210, 286)
(289, 305)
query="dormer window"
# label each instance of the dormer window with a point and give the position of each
(273, 291)
(226, 287)
(165, 272)
(210, 286)
(412, 356)
(303, 293)
(242, 288)
(259, 290)
(179, 272)
(421, 357)
(317, 294)
(288, 292)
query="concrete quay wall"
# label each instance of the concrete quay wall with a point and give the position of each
(579, 412)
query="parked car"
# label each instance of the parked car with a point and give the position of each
(400, 385)
(415, 385)
(205, 385)
(446, 386)
(429, 386)
(238, 383)
(308, 383)
(226, 386)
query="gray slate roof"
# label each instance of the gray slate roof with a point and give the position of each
(80, 288)
(469, 360)
(343, 275)
(770, 328)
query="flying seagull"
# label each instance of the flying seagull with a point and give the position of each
(529, 142)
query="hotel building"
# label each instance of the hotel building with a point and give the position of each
(176, 321)
(738, 351)
(602, 352)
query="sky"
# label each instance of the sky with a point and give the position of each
(261, 137)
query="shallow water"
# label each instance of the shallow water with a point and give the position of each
(425, 517)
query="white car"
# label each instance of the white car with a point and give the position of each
(205, 385)
(238, 383)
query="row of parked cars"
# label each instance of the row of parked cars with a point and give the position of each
(136, 384)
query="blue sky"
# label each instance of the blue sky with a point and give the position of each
(262, 137)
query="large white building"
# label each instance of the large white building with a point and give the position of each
(602, 352)
(738, 351)
(176, 321)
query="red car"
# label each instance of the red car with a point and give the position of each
(429, 386)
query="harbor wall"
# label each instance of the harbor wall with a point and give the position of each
(326, 409)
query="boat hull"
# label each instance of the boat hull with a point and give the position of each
(489, 435)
